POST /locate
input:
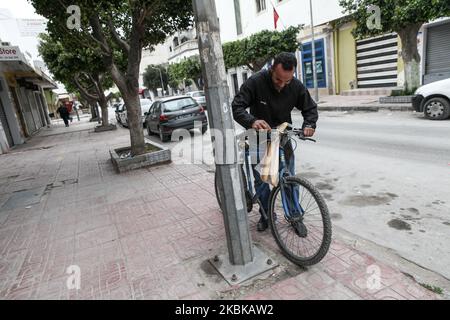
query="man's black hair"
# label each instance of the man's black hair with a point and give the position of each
(287, 60)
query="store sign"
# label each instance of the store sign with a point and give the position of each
(10, 54)
(31, 27)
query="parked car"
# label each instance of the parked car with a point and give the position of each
(178, 112)
(433, 100)
(119, 108)
(145, 106)
(198, 96)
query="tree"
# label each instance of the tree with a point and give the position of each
(152, 77)
(119, 30)
(256, 50)
(187, 70)
(79, 69)
(404, 17)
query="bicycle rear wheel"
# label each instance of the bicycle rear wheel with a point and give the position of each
(303, 238)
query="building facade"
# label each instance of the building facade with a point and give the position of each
(23, 103)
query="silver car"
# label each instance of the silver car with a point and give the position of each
(199, 97)
(145, 106)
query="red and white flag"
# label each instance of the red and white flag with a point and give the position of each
(275, 17)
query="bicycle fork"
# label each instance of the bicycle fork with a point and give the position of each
(290, 199)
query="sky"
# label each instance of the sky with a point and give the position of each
(10, 10)
(20, 9)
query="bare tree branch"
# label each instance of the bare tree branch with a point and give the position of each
(82, 89)
(98, 34)
(122, 43)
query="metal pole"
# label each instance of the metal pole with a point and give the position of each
(161, 78)
(313, 48)
(162, 82)
(239, 243)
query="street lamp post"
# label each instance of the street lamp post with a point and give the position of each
(160, 75)
(313, 50)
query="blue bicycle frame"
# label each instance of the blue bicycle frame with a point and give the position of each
(291, 205)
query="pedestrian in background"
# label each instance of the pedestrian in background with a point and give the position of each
(64, 114)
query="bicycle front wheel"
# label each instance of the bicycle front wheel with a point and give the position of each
(301, 228)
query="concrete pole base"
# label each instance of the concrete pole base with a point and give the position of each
(236, 274)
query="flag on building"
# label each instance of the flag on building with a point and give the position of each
(275, 17)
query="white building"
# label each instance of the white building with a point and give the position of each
(242, 18)
(22, 32)
(23, 103)
(179, 46)
(159, 55)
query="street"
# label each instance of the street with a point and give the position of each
(385, 176)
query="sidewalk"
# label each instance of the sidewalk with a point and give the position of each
(146, 234)
(359, 103)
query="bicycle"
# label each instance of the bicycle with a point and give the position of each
(298, 214)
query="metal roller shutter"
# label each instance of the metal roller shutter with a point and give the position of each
(377, 61)
(437, 65)
(4, 122)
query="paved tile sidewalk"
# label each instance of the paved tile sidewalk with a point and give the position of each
(144, 234)
(361, 103)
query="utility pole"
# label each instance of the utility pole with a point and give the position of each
(313, 48)
(244, 260)
(161, 78)
(221, 119)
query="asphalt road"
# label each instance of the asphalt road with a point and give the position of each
(386, 177)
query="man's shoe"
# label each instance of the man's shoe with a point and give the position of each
(300, 229)
(262, 225)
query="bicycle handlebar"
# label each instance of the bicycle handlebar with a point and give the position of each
(299, 133)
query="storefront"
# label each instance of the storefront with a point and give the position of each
(23, 109)
(436, 61)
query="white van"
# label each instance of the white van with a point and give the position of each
(433, 100)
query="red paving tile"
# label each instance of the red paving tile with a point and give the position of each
(147, 234)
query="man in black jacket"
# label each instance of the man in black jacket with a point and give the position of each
(64, 113)
(271, 96)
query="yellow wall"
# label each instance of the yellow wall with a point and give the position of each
(346, 58)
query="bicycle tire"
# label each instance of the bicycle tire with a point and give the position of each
(326, 223)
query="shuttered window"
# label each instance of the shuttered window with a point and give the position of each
(377, 60)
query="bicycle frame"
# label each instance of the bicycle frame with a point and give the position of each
(283, 174)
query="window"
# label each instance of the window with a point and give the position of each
(237, 14)
(244, 76)
(198, 94)
(179, 104)
(235, 83)
(175, 42)
(260, 5)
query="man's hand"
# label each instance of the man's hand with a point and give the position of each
(261, 125)
(308, 132)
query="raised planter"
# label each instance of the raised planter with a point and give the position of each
(157, 155)
(109, 127)
(398, 99)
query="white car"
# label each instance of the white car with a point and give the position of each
(145, 106)
(199, 97)
(433, 100)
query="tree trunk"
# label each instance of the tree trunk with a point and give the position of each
(94, 112)
(128, 83)
(410, 55)
(102, 101)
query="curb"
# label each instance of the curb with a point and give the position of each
(404, 108)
